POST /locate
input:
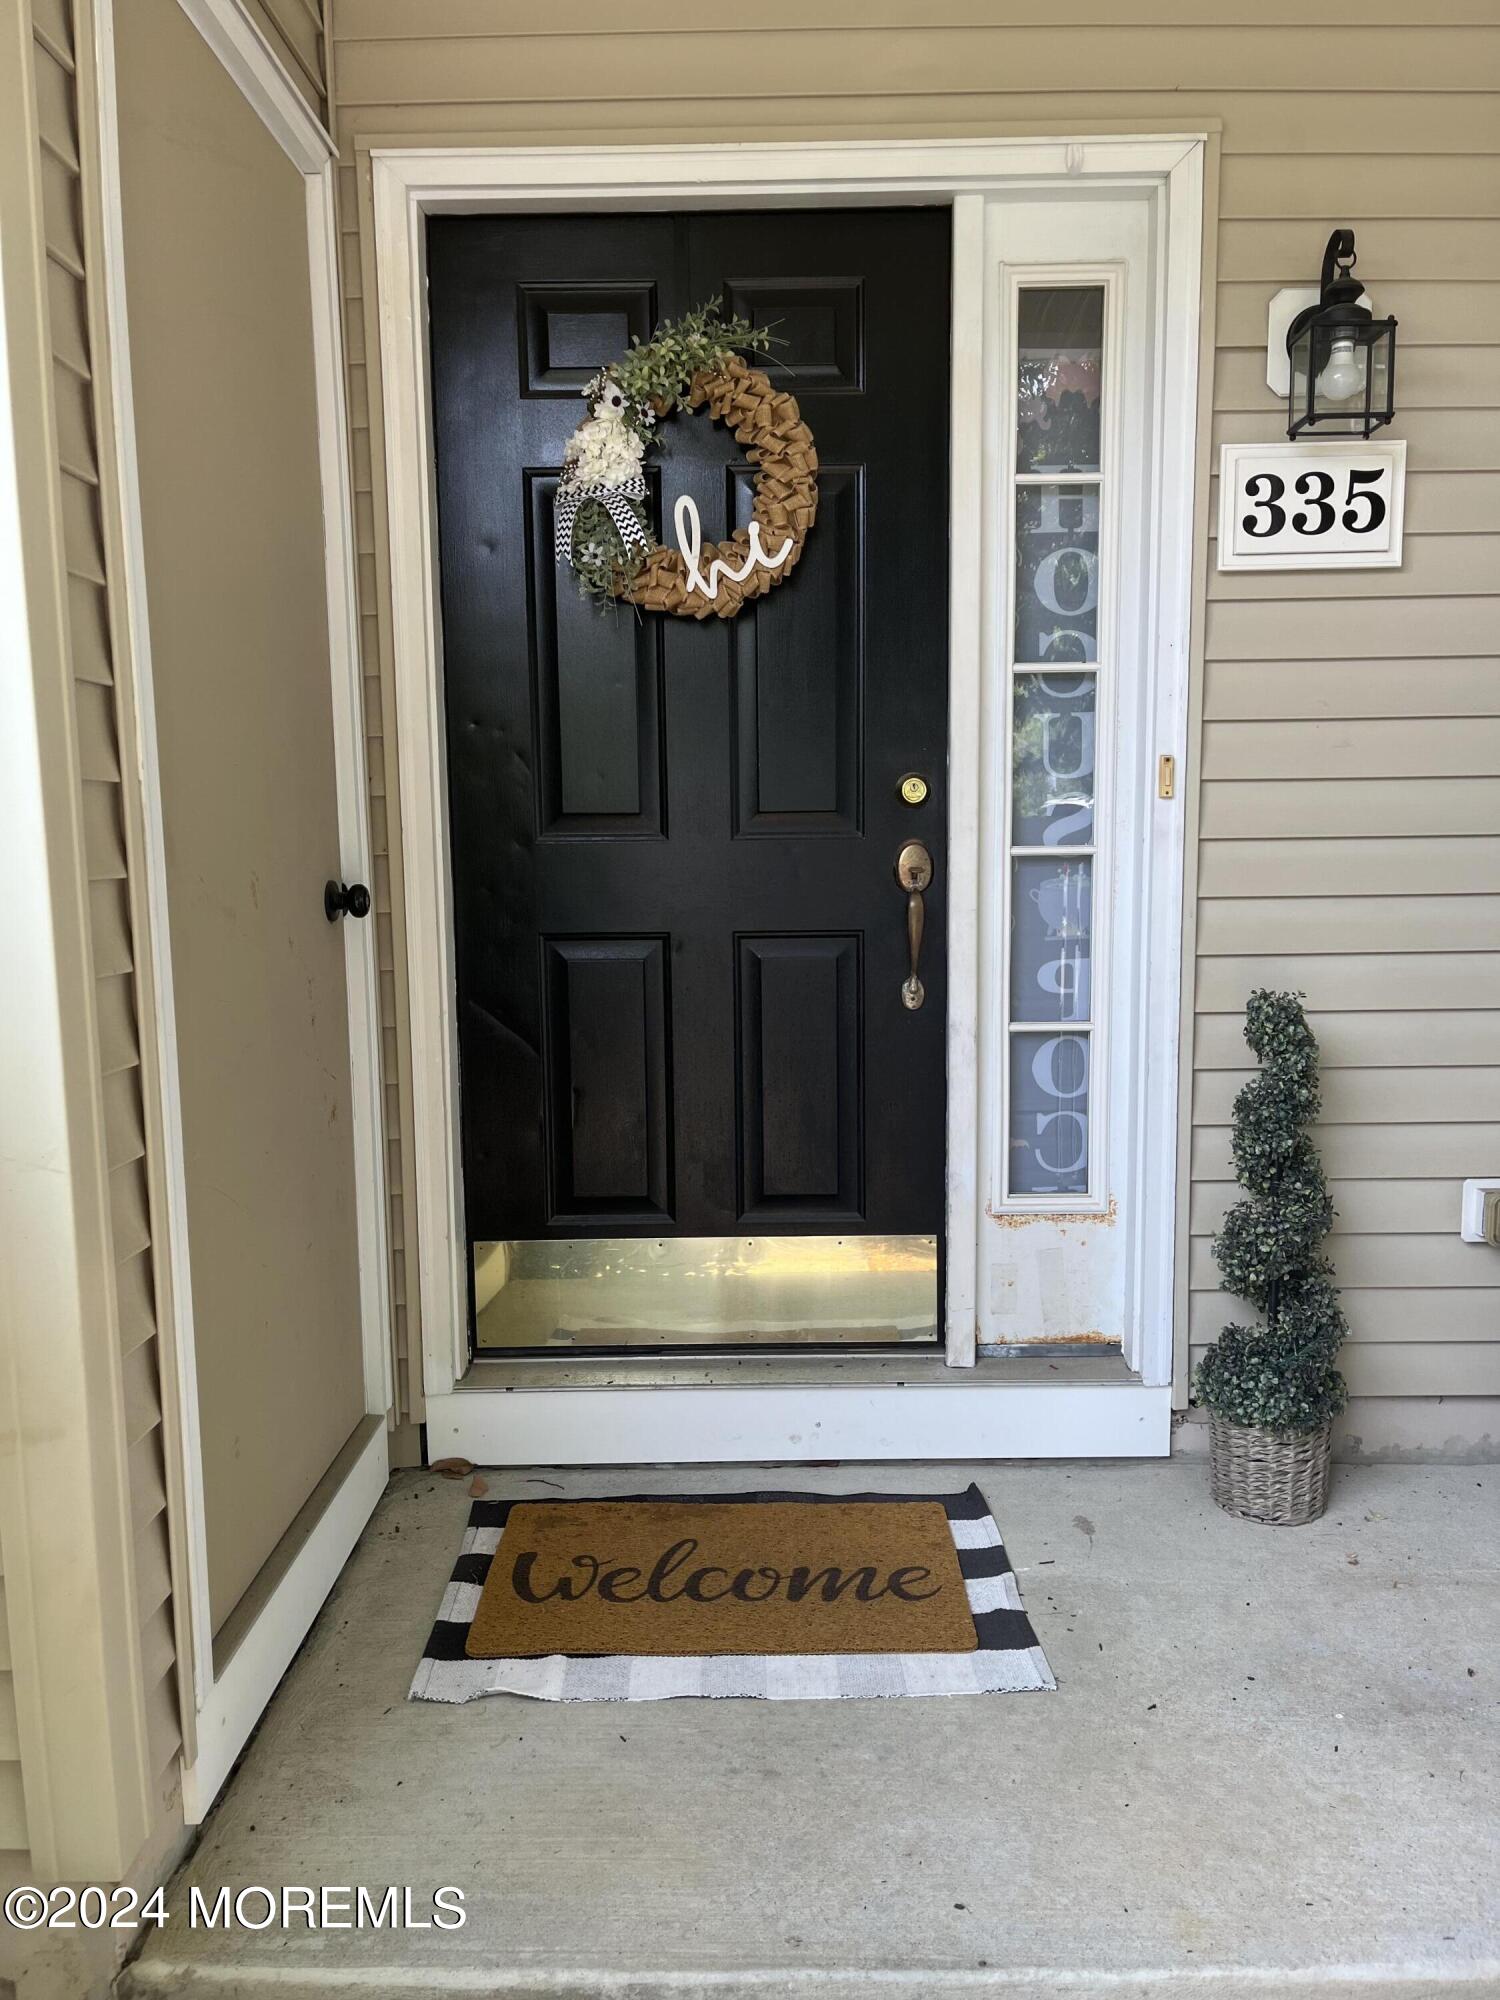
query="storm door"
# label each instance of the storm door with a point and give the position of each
(696, 1109)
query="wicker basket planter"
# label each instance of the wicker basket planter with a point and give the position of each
(1277, 1477)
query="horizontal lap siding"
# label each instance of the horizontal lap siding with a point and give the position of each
(74, 307)
(294, 30)
(1350, 804)
(1350, 757)
(113, 942)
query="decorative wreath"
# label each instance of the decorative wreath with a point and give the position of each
(602, 527)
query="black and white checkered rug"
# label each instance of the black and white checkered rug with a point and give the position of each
(1007, 1660)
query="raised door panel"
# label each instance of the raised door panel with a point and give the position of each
(566, 333)
(799, 1074)
(798, 675)
(608, 1068)
(597, 699)
(818, 325)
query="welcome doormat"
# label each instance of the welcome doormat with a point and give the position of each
(699, 1576)
(773, 1595)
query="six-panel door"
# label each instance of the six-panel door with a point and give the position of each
(680, 942)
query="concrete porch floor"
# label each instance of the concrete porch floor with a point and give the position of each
(1272, 1766)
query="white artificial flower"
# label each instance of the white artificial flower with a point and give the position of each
(603, 394)
(603, 452)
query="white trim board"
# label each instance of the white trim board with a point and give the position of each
(237, 40)
(410, 183)
(966, 361)
(791, 1423)
(228, 1701)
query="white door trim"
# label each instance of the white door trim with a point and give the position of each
(228, 1701)
(410, 183)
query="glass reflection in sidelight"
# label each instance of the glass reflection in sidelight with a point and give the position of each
(1057, 574)
(1052, 760)
(1061, 342)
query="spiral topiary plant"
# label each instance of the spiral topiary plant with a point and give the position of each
(1281, 1375)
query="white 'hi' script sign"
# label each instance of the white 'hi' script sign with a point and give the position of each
(690, 540)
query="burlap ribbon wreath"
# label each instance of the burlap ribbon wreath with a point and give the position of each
(780, 446)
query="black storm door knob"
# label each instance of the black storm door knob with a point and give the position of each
(345, 899)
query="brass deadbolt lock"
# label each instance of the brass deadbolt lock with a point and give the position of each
(913, 789)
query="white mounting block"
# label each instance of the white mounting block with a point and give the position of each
(1481, 1212)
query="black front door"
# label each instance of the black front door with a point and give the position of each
(680, 940)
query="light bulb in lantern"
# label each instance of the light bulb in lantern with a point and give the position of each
(1345, 374)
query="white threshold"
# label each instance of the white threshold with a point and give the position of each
(654, 1409)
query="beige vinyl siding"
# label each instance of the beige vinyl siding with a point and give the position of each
(294, 30)
(75, 309)
(52, 36)
(1349, 810)
(1350, 806)
(12, 1800)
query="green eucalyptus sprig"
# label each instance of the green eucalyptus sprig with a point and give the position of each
(655, 374)
(601, 562)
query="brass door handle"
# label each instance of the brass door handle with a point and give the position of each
(914, 873)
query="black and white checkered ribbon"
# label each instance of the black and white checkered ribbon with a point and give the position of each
(616, 503)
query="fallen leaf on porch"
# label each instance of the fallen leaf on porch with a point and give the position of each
(452, 1468)
(478, 1487)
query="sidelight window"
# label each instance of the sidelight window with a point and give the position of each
(1057, 652)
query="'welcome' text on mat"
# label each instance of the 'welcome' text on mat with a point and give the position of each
(704, 1577)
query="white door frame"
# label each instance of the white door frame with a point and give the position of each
(229, 1700)
(408, 184)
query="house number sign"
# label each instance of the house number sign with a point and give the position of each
(1311, 506)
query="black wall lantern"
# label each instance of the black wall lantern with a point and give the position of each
(1342, 359)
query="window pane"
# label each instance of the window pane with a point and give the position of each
(1057, 573)
(1061, 348)
(1049, 1114)
(1051, 923)
(1052, 761)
